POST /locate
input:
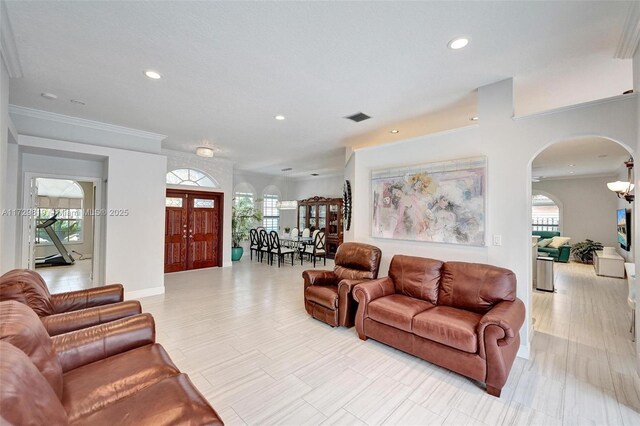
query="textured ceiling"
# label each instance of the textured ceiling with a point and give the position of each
(229, 67)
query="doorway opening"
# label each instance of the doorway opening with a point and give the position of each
(193, 230)
(61, 239)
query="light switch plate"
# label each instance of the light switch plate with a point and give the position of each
(497, 240)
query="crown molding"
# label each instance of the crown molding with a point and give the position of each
(8, 50)
(90, 124)
(630, 37)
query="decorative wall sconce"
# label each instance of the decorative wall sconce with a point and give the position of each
(623, 189)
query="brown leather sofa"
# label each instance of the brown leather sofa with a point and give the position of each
(327, 294)
(70, 311)
(461, 316)
(113, 373)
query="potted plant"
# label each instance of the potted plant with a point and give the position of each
(583, 251)
(243, 217)
(287, 230)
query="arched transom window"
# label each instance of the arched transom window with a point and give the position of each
(190, 177)
(545, 213)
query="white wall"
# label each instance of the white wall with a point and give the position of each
(589, 208)
(636, 234)
(134, 243)
(328, 187)
(510, 145)
(221, 171)
(4, 136)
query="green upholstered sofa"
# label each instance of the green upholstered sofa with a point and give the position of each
(559, 254)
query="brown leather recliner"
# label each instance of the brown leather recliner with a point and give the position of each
(461, 316)
(327, 294)
(113, 373)
(69, 311)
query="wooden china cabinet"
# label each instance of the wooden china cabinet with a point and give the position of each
(323, 213)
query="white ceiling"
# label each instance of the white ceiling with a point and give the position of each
(229, 67)
(587, 156)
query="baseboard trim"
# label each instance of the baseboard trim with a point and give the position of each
(139, 294)
(523, 352)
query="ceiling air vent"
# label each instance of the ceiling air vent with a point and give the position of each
(358, 117)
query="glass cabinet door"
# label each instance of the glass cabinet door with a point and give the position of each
(302, 217)
(322, 216)
(312, 216)
(334, 211)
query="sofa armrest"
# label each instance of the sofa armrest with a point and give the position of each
(81, 299)
(318, 277)
(92, 344)
(509, 316)
(370, 290)
(564, 252)
(347, 306)
(84, 318)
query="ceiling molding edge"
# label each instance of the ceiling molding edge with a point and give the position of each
(630, 38)
(8, 49)
(82, 122)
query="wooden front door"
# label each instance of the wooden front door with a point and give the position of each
(193, 230)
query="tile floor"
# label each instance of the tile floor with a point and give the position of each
(244, 338)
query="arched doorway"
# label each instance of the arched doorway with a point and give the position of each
(573, 176)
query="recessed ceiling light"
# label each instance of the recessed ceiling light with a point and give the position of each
(571, 173)
(204, 151)
(154, 75)
(571, 165)
(279, 117)
(474, 118)
(458, 43)
(602, 155)
(394, 131)
(49, 96)
(77, 101)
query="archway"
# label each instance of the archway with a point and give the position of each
(599, 202)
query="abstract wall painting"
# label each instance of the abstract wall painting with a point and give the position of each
(441, 202)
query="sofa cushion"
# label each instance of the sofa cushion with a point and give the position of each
(397, 310)
(544, 243)
(556, 242)
(29, 288)
(25, 396)
(475, 286)
(450, 326)
(417, 277)
(172, 401)
(324, 295)
(21, 327)
(93, 386)
(357, 261)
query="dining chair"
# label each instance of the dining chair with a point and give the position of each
(317, 249)
(314, 233)
(294, 233)
(264, 247)
(254, 242)
(306, 233)
(278, 250)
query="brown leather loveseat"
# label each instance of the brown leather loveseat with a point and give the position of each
(461, 316)
(69, 311)
(327, 294)
(109, 374)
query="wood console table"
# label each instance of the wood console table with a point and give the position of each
(609, 264)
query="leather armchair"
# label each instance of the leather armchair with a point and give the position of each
(113, 373)
(64, 312)
(327, 294)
